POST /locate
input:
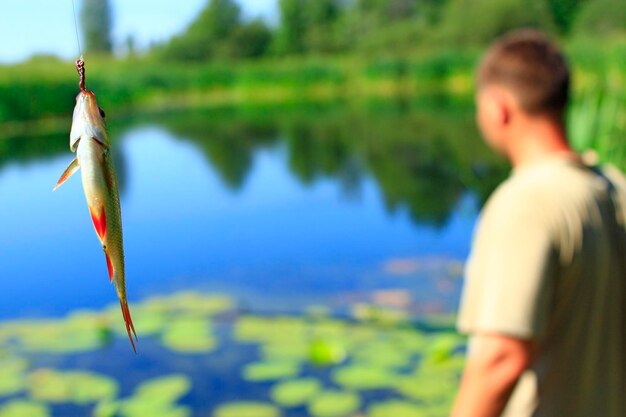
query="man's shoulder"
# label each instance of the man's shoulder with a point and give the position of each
(554, 180)
(526, 186)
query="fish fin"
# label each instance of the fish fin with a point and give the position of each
(129, 322)
(71, 168)
(99, 219)
(109, 266)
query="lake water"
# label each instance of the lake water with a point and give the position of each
(280, 209)
(235, 212)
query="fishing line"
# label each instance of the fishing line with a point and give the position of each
(80, 51)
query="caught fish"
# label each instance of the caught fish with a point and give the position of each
(90, 140)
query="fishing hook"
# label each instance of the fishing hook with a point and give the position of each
(80, 67)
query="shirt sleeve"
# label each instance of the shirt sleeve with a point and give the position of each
(509, 276)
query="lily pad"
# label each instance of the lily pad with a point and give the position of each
(143, 406)
(409, 340)
(106, 408)
(324, 352)
(270, 330)
(148, 321)
(280, 350)
(435, 390)
(166, 389)
(189, 335)
(364, 376)
(22, 408)
(295, 392)
(270, 371)
(334, 404)
(397, 408)
(78, 333)
(157, 398)
(74, 387)
(383, 354)
(247, 409)
(443, 347)
(12, 375)
(377, 314)
(199, 303)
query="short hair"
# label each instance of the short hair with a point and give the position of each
(530, 66)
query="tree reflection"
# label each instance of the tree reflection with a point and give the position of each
(424, 157)
(227, 141)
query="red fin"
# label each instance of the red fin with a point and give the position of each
(129, 323)
(99, 222)
(109, 266)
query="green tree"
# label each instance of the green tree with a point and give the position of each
(206, 35)
(220, 18)
(379, 24)
(601, 18)
(321, 25)
(249, 40)
(480, 21)
(564, 13)
(292, 28)
(96, 23)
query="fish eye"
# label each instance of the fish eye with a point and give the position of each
(102, 114)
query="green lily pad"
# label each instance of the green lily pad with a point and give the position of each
(12, 375)
(435, 390)
(397, 408)
(148, 321)
(377, 314)
(75, 387)
(295, 392)
(364, 376)
(270, 371)
(270, 330)
(189, 335)
(157, 397)
(280, 350)
(443, 347)
(165, 389)
(324, 352)
(409, 340)
(246, 409)
(186, 303)
(144, 406)
(199, 303)
(22, 408)
(106, 408)
(80, 332)
(383, 354)
(334, 404)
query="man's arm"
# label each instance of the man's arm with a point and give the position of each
(494, 364)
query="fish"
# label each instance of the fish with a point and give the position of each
(89, 139)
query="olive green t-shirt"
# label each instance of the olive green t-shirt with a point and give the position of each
(548, 263)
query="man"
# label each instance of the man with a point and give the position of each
(545, 291)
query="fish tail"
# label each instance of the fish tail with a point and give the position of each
(129, 322)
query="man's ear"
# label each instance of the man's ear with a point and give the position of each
(502, 103)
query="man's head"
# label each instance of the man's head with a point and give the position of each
(522, 74)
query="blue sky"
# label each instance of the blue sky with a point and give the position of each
(47, 26)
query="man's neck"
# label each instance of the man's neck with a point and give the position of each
(537, 140)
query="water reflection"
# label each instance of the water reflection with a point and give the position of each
(424, 159)
(278, 205)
